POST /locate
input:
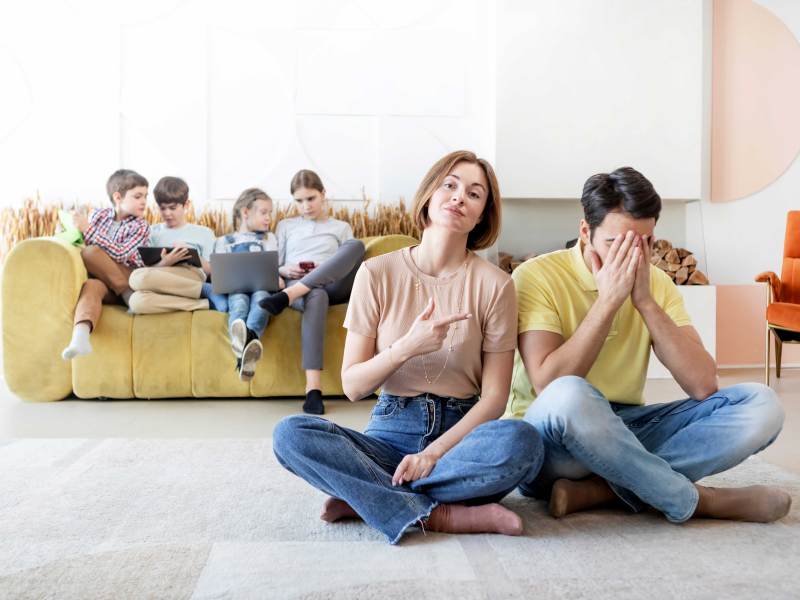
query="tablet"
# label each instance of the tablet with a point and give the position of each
(152, 254)
(69, 232)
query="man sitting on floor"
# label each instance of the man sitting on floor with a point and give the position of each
(587, 319)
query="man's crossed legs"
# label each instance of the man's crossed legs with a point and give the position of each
(652, 455)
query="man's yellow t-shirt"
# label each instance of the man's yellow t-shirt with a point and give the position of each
(555, 292)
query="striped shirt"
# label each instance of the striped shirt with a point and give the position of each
(120, 239)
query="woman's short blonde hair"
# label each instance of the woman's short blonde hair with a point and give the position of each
(488, 228)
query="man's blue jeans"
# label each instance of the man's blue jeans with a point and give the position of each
(487, 464)
(649, 455)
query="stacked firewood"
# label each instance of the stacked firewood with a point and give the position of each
(508, 262)
(678, 263)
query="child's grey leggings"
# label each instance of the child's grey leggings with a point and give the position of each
(330, 284)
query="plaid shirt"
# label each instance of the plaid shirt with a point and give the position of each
(120, 239)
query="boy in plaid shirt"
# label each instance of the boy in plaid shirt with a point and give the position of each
(112, 237)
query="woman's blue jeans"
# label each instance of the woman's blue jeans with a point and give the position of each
(357, 467)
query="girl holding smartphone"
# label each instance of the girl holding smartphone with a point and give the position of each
(318, 258)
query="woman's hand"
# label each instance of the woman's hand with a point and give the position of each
(414, 466)
(426, 335)
(291, 271)
(172, 257)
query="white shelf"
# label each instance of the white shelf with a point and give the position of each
(701, 304)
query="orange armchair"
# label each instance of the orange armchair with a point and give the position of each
(783, 295)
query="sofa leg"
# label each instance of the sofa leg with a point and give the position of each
(778, 348)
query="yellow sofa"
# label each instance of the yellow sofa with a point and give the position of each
(172, 355)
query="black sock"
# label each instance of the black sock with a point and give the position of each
(251, 335)
(313, 404)
(275, 304)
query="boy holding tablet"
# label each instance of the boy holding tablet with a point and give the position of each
(173, 282)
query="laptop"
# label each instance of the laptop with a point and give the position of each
(244, 272)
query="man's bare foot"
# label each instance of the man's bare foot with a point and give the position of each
(573, 496)
(486, 518)
(335, 509)
(756, 503)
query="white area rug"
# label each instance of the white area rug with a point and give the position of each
(221, 519)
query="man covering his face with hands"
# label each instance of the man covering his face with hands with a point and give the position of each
(588, 318)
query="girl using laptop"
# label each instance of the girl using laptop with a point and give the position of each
(247, 320)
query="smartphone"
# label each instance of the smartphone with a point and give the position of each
(306, 265)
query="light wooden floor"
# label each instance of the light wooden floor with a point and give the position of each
(191, 418)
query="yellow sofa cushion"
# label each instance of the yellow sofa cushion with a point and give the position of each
(108, 371)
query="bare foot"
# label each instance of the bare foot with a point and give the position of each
(573, 496)
(756, 503)
(486, 518)
(335, 509)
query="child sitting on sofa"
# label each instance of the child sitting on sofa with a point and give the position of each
(319, 259)
(170, 285)
(113, 236)
(252, 216)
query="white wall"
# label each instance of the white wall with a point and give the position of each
(229, 95)
(370, 94)
(585, 86)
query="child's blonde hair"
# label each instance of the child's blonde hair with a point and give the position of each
(246, 200)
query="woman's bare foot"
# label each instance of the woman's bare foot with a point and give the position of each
(756, 503)
(573, 496)
(334, 509)
(486, 518)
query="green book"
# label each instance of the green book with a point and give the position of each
(69, 232)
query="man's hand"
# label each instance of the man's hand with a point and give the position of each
(640, 295)
(615, 276)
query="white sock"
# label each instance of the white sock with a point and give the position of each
(79, 344)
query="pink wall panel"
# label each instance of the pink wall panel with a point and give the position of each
(740, 327)
(755, 125)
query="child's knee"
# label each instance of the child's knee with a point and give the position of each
(138, 302)
(92, 252)
(138, 279)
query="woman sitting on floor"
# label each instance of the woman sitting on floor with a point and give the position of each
(435, 327)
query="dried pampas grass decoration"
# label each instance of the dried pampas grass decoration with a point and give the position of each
(36, 219)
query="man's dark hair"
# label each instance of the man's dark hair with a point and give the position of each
(171, 190)
(124, 180)
(623, 190)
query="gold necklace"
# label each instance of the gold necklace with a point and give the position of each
(451, 331)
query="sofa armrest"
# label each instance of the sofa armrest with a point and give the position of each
(41, 281)
(774, 283)
(382, 244)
